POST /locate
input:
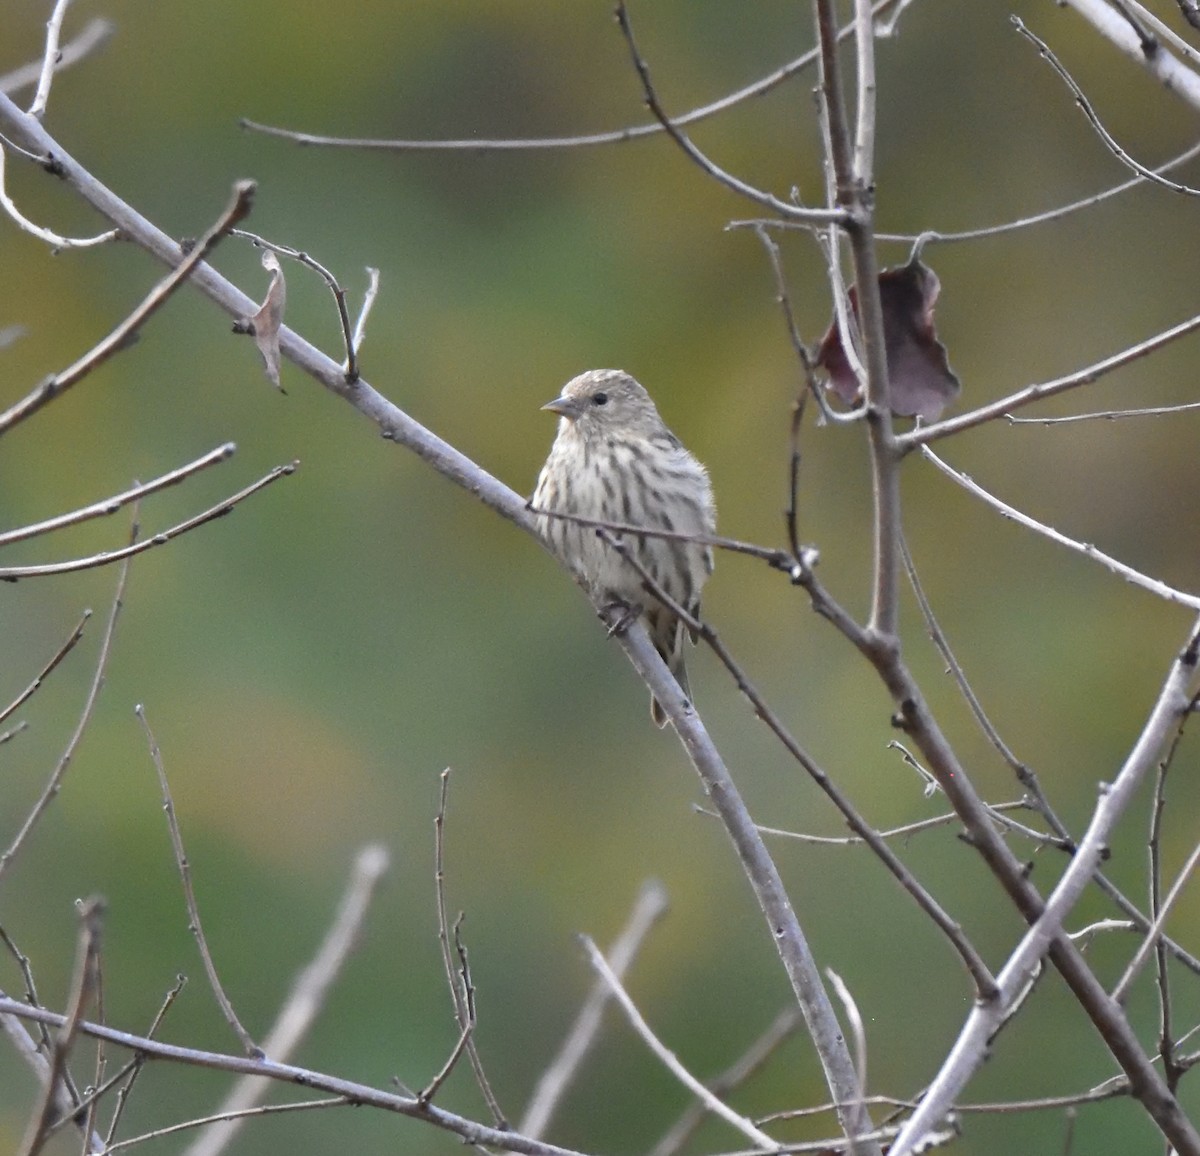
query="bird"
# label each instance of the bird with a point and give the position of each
(614, 460)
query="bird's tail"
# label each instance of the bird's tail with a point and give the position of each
(672, 655)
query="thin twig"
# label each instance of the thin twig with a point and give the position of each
(1105, 415)
(1086, 108)
(668, 1058)
(785, 209)
(54, 783)
(1003, 408)
(349, 341)
(82, 989)
(360, 325)
(49, 59)
(305, 1000)
(59, 655)
(1060, 837)
(233, 1117)
(779, 559)
(781, 1029)
(139, 1058)
(902, 832)
(581, 140)
(54, 385)
(461, 992)
(1132, 576)
(289, 1074)
(106, 557)
(94, 33)
(1121, 991)
(945, 237)
(111, 505)
(42, 234)
(858, 1031)
(648, 908)
(189, 895)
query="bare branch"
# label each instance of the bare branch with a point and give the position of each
(362, 1094)
(785, 209)
(1174, 76)
(583, 140)
(59, 655)
(1090, 113)
(83, 986)
(971, 1046)
(305, 1001)
(1106, 415)
(94, 33)
(349, 340)
(649, 907)
(117, 501)
(139, 1058)
(12, 573)
(864, 132)
(1134, 577)
(232, 1118)
(668, 1058)
(189, 895)
(49, 59)
(781, 1028)
(54, 783)
(118, 339)
(922, 435)
(47, 235)
(1121, 991)
(459, 979)
(984, 983)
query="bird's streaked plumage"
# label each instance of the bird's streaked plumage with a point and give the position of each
(615, 461)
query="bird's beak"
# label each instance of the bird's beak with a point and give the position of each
(564, 407)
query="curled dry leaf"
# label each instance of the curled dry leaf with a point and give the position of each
(920, 380)
(265, 324)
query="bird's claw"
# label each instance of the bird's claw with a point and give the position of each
(619, 616)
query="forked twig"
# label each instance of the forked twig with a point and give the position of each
(94, 33)
(458, 977)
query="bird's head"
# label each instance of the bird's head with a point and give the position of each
(605, 401)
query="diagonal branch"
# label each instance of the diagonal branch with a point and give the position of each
(57, 383)
(1045, 934)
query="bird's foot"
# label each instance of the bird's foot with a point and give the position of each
(619, 616)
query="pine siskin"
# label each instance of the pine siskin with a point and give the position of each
(615, 461)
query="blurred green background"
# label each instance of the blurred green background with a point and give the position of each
(312, 662)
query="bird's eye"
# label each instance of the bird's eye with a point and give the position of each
(600, 398)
